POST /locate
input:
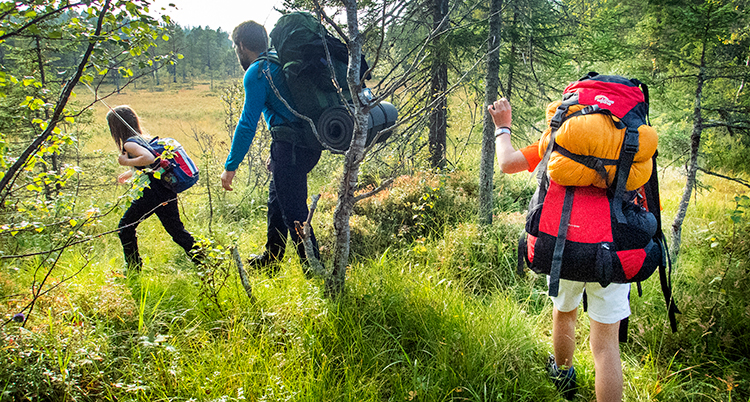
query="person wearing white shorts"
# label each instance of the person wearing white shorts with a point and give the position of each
(606, 306)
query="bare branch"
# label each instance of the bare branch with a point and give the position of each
(332, 23)
(734, 179)
(299, 115)
(305, 233)
(374, 191)
(243, 274)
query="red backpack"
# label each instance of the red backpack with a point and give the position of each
(603, 234)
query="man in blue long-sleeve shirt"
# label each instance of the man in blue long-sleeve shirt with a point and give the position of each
(291, 160)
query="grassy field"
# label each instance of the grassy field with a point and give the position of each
(175, 113)
(432, 311)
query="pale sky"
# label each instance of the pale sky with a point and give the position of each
(224, 14)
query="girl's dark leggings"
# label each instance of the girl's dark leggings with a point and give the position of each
(168, 213)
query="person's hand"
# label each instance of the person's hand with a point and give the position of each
(226, 179)
(269, 164)
(123, 158)
(124, 176)
(501, 113)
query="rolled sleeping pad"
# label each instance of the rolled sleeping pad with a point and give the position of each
(382, 116)
(335, 125)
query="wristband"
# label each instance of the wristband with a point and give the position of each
(501, 130)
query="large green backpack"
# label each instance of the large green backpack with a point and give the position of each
(300, 42)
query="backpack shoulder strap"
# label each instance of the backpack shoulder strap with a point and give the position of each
(137, 139)
(265, 58)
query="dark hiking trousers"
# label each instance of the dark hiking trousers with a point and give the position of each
(142, 208)
(287, 197)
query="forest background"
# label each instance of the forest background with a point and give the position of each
(431, 308)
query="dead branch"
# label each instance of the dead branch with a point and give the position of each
(305, 233)
(243, 274)
(734, 179)
(376, 190)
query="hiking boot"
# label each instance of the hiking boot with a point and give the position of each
(133, 263)
(564, 380)
(264, 263)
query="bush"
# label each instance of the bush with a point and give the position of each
(514, 192)
(414, 207)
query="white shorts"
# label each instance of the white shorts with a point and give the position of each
(605, 305)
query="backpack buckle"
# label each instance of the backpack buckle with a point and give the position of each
(557, 119)
(590, 109)
(630, 142)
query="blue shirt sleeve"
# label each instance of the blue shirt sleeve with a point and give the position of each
(255, 95)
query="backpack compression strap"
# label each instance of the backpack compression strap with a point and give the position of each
(560, 117)
(562, 235)
(627, 153)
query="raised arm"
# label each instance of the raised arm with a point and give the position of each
(510, 159)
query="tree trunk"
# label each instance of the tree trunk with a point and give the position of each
(512, 55)
(116, 77)
(439, 85)
(692, 166)
(487, 164)
(352, 159)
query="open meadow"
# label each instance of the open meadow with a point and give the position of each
(433, 309)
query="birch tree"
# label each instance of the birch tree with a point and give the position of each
(361, 106)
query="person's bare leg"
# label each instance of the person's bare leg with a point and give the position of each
(564, 336)
(608, 369)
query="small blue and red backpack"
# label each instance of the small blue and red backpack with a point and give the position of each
(173, 165)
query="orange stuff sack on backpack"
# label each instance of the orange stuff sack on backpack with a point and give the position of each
(595, 135)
